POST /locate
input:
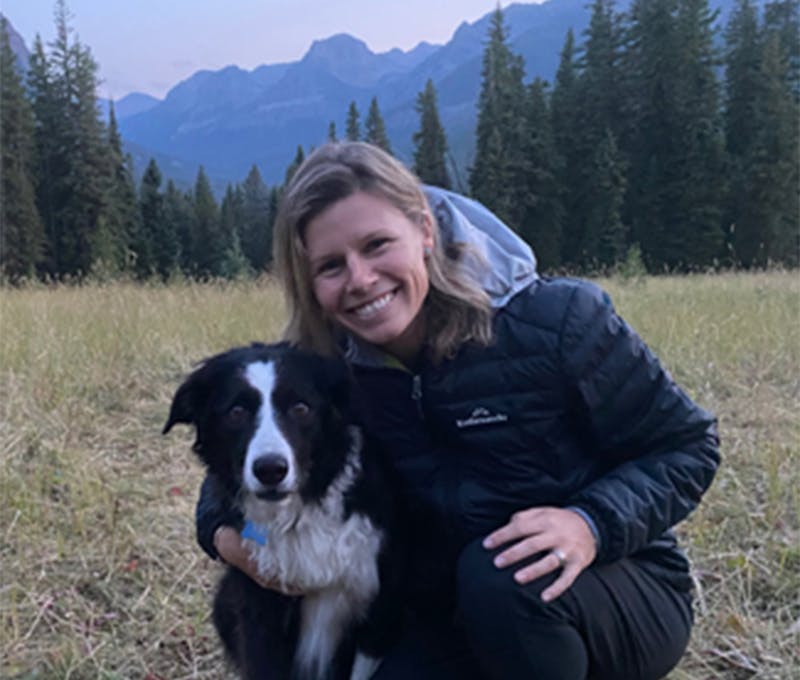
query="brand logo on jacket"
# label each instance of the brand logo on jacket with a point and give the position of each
(481, 416)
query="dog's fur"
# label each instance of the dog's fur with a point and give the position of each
(273, 427)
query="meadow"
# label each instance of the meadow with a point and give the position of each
(101, 575)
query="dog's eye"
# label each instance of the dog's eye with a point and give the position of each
(299, 411)
(236, 416)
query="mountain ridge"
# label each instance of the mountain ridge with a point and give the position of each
(229, 119)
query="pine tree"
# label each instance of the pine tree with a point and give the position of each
(564, 112)
(21, 230)
(375, 128)
(297, 161)
(179, 220)
(600, 91)
(164, 233)
(764, 199)
(49, 146)
(353, 125)
(234, 264)
(761, 132)
(332, 131)
(654, 132)
(695, 236)
(86, 236)
(498, 157)
(73, 148)
(256, 241)
(608, 243)
(540, 192)
(121, 214)
(564, 99)
(208, 239)
(596, 95)
(781, 103)
(782, 17)
(430, 142)
(144, 242)
(742, 123)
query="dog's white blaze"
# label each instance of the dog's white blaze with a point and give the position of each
(268, 437)
(312, 547)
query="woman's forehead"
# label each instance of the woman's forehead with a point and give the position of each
(351, 219)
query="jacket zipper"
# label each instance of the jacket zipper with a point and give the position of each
(450, 470)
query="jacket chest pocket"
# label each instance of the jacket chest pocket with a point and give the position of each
(514, 434)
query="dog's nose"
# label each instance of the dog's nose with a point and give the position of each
(270, 470)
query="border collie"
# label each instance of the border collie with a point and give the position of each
(273, 427)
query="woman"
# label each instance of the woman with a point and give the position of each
(542, 451)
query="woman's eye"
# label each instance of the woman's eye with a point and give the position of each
(237, 415)
(329, 268)
(299, 411)
(376, 244)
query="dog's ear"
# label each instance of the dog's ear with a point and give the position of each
(184, 404)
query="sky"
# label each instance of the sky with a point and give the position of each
(151, 45)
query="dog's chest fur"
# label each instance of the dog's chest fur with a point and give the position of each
(314, 548)
(313, 545)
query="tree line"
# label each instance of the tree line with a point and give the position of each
(656, 140)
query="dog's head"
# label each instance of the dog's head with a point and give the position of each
(270, 420)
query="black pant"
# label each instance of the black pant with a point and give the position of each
(617, 621)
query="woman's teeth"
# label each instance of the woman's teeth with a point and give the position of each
(373, 307)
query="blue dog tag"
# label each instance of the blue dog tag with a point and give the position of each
(255, 532)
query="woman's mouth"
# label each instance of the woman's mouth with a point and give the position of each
(372, 307)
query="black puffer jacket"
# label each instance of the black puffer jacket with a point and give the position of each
(568, 407)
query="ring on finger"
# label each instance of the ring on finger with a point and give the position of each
(560, 556)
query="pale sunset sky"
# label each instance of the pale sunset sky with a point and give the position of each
(151, 45)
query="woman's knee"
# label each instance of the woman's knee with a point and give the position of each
(485, 590)
(513, 633)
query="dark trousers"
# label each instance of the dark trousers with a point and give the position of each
(617, 621)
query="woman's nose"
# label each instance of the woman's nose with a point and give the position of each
(360, 274)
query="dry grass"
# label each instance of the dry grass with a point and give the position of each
(101, 577)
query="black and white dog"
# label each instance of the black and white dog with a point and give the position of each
(273, 427)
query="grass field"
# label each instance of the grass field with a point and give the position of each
(101, 576)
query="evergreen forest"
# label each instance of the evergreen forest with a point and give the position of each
(664, 139)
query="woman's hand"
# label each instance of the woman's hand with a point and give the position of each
(228, 544)
(562, 534)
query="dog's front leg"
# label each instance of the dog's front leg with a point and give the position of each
(325, 616)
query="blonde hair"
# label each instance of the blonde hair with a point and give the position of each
(458, 310)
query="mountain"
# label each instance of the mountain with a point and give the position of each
(17, 45)
(131, 104)
(229, 119)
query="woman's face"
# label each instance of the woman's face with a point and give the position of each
(367, 263)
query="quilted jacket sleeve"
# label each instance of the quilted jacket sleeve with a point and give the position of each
(213, 510)
(664, 447)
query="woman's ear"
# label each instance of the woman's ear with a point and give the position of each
(426, 224)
